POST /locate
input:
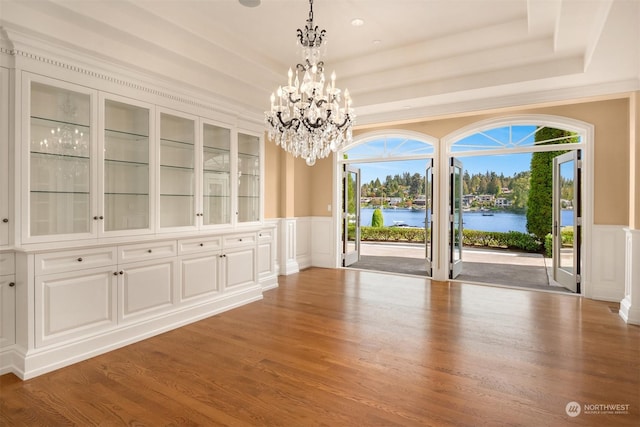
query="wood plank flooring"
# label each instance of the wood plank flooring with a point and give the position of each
(357, 348)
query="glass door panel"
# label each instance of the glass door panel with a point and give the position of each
(248, 178)
(455, 221)
(428, 221)
(351, 215)
(126, 167)
(60, 166)
(566, 220)
(177, 173)
(216, 150)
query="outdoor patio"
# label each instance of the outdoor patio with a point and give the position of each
(487, 266)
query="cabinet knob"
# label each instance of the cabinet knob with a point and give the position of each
(121, 272)
(101, 217)
(239, 240)
(5, 220)
(79, 259)
(115, 273)
(95, 217)
(201, 244)
(12, 284)
(149, 251)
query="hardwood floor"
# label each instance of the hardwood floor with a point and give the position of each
(345, 348)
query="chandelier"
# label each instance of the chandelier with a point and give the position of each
(309, 118)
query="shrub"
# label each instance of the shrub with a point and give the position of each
(548, 245)
(377, 220)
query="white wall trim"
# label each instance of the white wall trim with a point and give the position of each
(607, 263)
(287, 246)
(322, 248)
(303, 242)
(630, 304)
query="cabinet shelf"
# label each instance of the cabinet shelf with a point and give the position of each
(126, 162)
(119, 134)
(46, 120)
(176, 195)
(40, 153)
(126, 194)
(166, 141)
(184, 168)
(58, 192)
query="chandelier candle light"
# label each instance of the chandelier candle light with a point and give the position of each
(309, 118)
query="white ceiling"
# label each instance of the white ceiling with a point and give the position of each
(410, 58)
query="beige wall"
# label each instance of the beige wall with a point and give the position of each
(272, 170)
(611, 119)
(635, 191)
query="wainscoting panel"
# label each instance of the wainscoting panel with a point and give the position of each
(303, 242)
(322, 249)
(606, 281)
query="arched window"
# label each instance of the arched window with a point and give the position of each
(390, 145)
(513, 135)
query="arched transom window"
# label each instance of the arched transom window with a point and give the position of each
(389, 147)
(514, 138)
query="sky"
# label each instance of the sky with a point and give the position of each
(507, 137)
(506, 164)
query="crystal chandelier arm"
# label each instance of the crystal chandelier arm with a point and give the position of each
(294, 123)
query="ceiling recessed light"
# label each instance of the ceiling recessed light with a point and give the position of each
(357, 22)
(250, 3)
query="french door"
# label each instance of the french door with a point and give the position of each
(428, 220)
(567, 220)
(455, 218)
(350, 215)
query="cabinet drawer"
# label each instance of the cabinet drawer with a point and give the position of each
(204, 244)
(144, 251)
(7, 264)
(239, 240)
(57, 262)
(265, 235)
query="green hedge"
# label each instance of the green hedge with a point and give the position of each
(493, 239)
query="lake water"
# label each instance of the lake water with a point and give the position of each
(499, 221)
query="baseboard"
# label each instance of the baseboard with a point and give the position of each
(40, 361)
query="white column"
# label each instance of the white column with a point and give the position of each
(288, 260)
(630, 304)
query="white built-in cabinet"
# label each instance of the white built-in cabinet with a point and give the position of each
(4, 157)
(7, 299)
(135, 218)
(100, 165)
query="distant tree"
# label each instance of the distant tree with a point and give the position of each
(540, 201)
(520, 190)
(376, 219)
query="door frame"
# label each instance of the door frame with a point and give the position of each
(352, 257)
(339, 160)
(570, 280)
(586, 132)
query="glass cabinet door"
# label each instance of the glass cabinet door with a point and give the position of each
(216, 175)
(126, 167)
(177, 173)
(59, 161)
(248, 178)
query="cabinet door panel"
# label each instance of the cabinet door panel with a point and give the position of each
(265, 259)
(199, 276)
(7, 265)
(8, 313)
(73, 305)
(240, 268)
(146, 288)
